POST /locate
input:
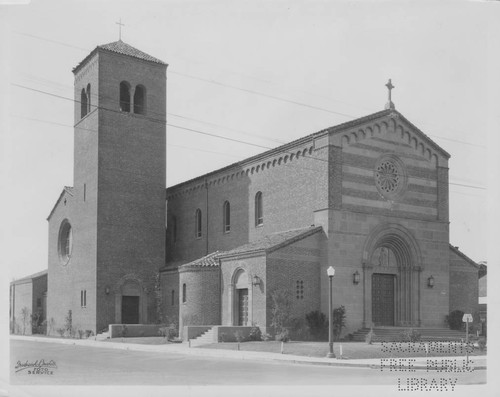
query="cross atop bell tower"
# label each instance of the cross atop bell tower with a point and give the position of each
(389, 104)
(120, 24)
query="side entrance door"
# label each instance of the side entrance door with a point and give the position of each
(243, 306)
(383, 299)
(130, 310)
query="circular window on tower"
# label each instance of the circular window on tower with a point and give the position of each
(65, 243)
(390, 176)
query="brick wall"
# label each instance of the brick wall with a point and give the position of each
(295, 269)
(169, 285)
(202, 303)
(290, 184)
(464, 289)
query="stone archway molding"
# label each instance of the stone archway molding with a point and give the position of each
(407, 273)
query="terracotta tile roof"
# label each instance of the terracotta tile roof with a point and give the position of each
(125, 49)
(120, 47)
(274, 241)
(210, 260)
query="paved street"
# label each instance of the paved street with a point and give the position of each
(82, 365)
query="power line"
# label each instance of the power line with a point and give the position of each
(100, 96)
(254, 92)
(199, 131)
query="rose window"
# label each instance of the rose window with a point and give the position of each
(387, 177)
(390, 176)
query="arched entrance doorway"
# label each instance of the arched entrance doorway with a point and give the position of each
(240, 298)
(130, 301)
(391, 278)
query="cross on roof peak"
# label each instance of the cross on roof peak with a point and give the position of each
(120, 24)
(390, 104)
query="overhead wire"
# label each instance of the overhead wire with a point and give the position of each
(195, 130)
(252, 91)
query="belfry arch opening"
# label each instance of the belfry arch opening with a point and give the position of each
(392, 279)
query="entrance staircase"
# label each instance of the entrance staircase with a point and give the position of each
(205, 338)
(393, 334)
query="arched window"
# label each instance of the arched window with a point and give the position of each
(140, 100)
(227, 217)
(198, 223)
(88, 98)
(124, 96)
(259, 214)
(184, 293)
(65, 243)
(83, 103)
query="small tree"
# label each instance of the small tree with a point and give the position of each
(318, 325)
(338, 321)
(280, 310)
(68, 323)
(25, 318)
(50, 325)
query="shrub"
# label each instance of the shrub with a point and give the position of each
(338, 321)
(298, 329)
(89, 333)
(61, 331)
(481, 343)
(283, 336)
(163, 332)
(318, 325)
(222, 337)
(454, 320)
(80, 333)
(410, 335)
(266, 337)
(255, 334)
(370, 336)
(239, 336)
(36, 323)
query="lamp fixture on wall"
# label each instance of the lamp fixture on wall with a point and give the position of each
(430, 282)
(256, 280)
(355, 277)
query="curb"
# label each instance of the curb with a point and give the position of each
(199, 351)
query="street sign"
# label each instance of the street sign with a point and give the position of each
(467, 318)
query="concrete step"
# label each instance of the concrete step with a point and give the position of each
(204, 339)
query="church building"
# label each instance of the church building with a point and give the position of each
(368, 197)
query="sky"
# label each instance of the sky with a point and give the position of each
(261, 72)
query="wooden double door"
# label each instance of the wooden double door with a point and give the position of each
(383, 299)
(130, 310)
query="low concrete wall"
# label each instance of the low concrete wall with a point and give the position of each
(134, 330)
(225, 333)
(193, 331)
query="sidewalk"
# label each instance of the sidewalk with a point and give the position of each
(478, 362)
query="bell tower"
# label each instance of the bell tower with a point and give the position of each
(118, 211)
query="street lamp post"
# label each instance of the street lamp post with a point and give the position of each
(331, 272)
